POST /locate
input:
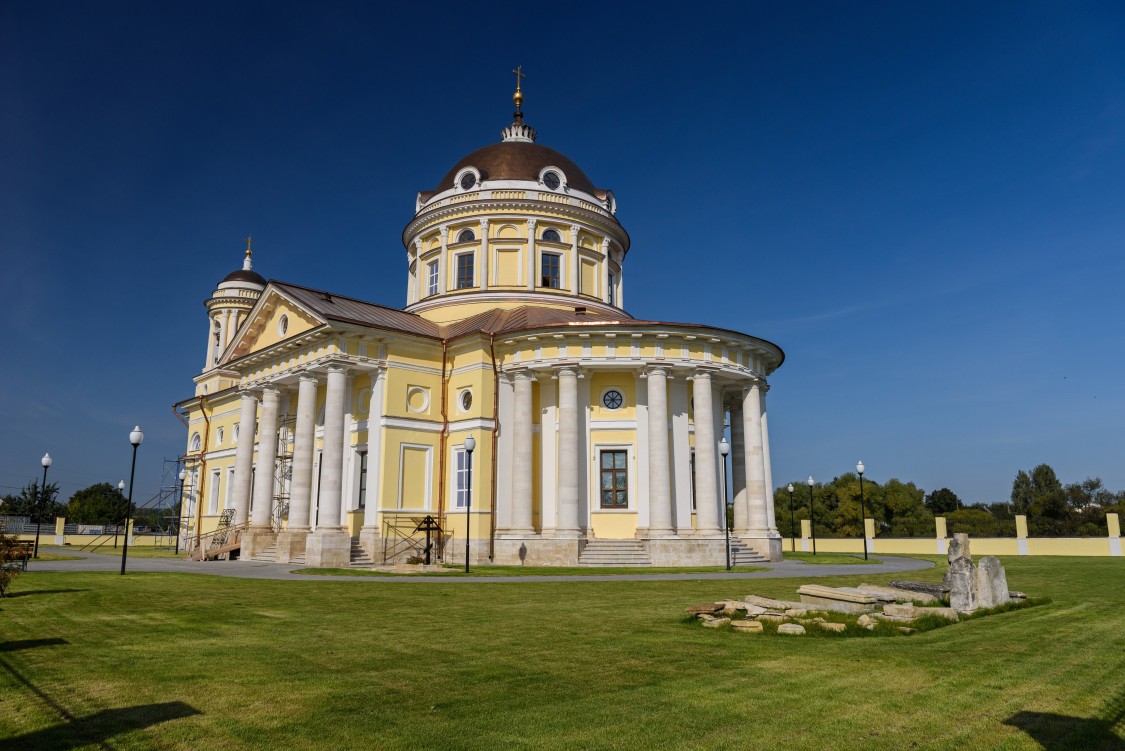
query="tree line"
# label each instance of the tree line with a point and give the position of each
(902, 509)
(101, 503)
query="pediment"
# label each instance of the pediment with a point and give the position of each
(275, 318)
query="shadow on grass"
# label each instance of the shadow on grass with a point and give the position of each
(1055, 731)
(99, 727)
(31, 592)
(15, 646)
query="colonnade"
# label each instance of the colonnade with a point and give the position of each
(750, 473)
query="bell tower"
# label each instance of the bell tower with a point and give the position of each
(227, 307)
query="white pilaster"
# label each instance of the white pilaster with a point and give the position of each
(267, 458)
(531, 254)
(375, 448)
(484, 254)
(573, 265)
(738, 467)
(504, 452)
(603, 292)
(443, 262)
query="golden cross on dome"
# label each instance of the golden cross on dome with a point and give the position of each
(249, 240)
(519, 74)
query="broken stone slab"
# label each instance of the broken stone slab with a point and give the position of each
(866, 621)
(961, 579)
(839, 599)
(747, 627)
(707, 607)
(778, 617)
(937, 590)
(837, 627)
(892, 618)
(716, 622)
(991, 583)
(769, 603)
(796, 612)
(891, 594)
(901, 611)
(791, 629)
(705, 617)
(733, 606)
(752, 610)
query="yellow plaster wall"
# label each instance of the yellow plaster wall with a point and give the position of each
(299, 322)
(589, 276)
(393, 440)
(613, 525)
(624, 382)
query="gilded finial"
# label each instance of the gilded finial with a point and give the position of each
(249, 240)
(247, 264)
(518, 96)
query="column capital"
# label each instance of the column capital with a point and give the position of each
(654, 370)
(701, 375)
(574, 228)
(273, 389)
(568, 370)
(523, 374)
(531, 222)
(248, 391)
(307, 376)
(444, 229)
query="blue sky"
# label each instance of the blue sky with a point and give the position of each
(921, 203)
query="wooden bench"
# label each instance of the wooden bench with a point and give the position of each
(21, 554)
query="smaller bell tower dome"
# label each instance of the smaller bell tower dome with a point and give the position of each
(228, 305)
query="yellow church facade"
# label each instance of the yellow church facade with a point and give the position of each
(324, 430)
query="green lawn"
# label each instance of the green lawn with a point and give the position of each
(454, 572)
(135, 551)
(180, 661)
(848, 558)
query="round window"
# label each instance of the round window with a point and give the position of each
(552, 235)
(552, 181)
(612, 399)
(282, 325)
(468, 180)
(466, 400)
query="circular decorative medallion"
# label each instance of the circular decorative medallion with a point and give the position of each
(612, 399)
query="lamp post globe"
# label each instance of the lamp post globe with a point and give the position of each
(862, 511)
(724, 449)
(470, 444)
(46, 462)
(792, 518)
(135, 438)
(812, 515)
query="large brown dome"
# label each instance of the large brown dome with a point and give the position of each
(518, 160)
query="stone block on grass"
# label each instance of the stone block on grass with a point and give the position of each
(747, 627)
(791, 629)
(716, 622)
(837, 627)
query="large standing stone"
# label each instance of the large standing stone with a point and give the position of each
(992, 583)
(961, 579)
(958, 547)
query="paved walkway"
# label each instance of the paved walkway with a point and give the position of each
(262, 570)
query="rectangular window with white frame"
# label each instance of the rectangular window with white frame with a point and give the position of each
(465, 263)
(612, 288)
(613, 471)
(551, 270)
(432, 278)
(213, 505)
(460, 477)
(362, 503)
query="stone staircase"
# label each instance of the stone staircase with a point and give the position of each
(359, 556)
(742, 555)
(614, 553)
(269, 555)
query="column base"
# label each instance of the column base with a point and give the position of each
(291, 544)
(328, 548)
(255, 540)
(649, 533)
(536, 551)
(766, 545)
(372, 542)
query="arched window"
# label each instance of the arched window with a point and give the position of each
(466, 236)
(552, 235)
(196, 442)
(219, 434)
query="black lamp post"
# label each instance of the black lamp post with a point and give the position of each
(812, 517)
(792, 518)
(135, 438)
(470, 444)
(862, 512)
(46, 462)
(724, 449)
(180, 509)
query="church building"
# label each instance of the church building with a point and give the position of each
(513, 400)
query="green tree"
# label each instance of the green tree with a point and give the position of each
(98, 504)
(1022, 492)
(942, 501)
(27, 503)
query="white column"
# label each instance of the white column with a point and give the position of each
(442, 263)
(244, 457)
(484, 259)
(573, 259)
(226, 328)
(374, 450)
(603, 293)
(210, 363)
(522, 440)
(267, 458)
(678, 401)
(304, 447)
(531, 223)
(738, 467)
(771, 518)
(568, 452)
(755, 471)
(659, 485)
(621, 283)
(706, 465)
(332, 458)
(347, 455)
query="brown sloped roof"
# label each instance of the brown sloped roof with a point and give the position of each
(334, 307)
(517, 160)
